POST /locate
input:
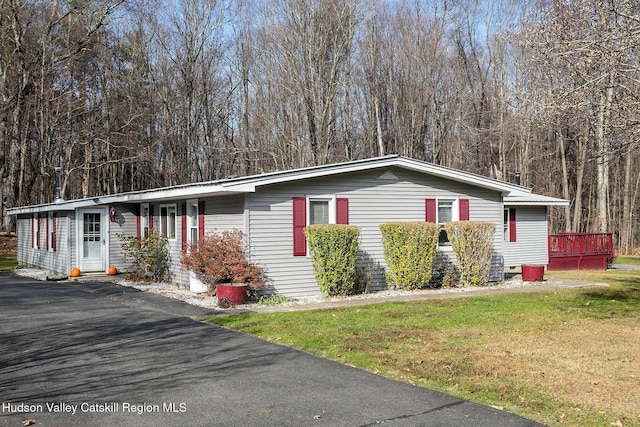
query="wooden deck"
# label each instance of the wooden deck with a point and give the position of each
(580, 251)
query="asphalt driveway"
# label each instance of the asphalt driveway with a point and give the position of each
(102, 354)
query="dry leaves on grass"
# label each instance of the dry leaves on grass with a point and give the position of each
(594, 365)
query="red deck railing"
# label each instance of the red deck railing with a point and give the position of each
(570, 251)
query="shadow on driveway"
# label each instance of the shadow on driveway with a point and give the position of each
(105, 346)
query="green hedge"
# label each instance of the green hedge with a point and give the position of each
(472, 243)
(334, 253)
(409, 250)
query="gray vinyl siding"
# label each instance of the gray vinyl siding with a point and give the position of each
(42, 257)
(125, 226)
(72, 241)
(531, 245)
(224, 213)
(375, 197)
(221, 213)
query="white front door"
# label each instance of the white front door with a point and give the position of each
(92, 239)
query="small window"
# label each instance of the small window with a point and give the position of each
(35, 231)
(509, 225)
(168, 221)
(321, 210)
(144, 220)
(445, 214)
(506, 225)
(51, 232)
(192, 221)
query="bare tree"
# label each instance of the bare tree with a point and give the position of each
(589, 51)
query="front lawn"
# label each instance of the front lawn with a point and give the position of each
(8, 247)
(627, 259)
(8, 262)
(569, 357)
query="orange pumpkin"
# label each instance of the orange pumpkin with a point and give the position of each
(113, 271)
(75, 272)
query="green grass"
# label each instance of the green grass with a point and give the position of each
(566, 357)
(8, 262)
(627, 259)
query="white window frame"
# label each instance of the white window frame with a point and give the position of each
(331, 200)
(144, 220)
(192, 221)
(506, 227)
(165, 218)
(35, 231)
(51, 232)
(455, 216)
(331, 205)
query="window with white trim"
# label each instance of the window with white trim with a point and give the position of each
(321, 210)
(447, 211)
(35, 231)
(509, 225)
(506, 225)
(51, 232)
(192, 221)
(168, 221)
(144, 220)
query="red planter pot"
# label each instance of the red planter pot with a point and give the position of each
(533, 273)
(234, 293)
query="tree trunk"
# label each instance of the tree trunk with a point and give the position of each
(581, 161)
(602, 159)
(565, 179)
(378, 127)
(626, 229)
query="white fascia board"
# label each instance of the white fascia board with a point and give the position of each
(169, 193)
(176, 193)
(533, 200)
(57, 207)
(556, 202)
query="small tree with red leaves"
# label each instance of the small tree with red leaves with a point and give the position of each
(222, 258)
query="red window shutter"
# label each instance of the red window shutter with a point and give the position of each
(200, 220)
(33, 232)
(512, 225)
(38, 233)
(430, 210)
(150, 218)
(184, 227)
(46, 230)
(138, 225)
(342, 211)
(54, 233)
(299, 223)
(464, 209)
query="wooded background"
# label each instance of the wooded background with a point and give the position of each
(130, 95)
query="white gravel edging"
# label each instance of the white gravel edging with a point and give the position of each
(178, 292)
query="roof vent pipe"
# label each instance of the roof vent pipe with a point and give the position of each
(517, 178)
(59, 198)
